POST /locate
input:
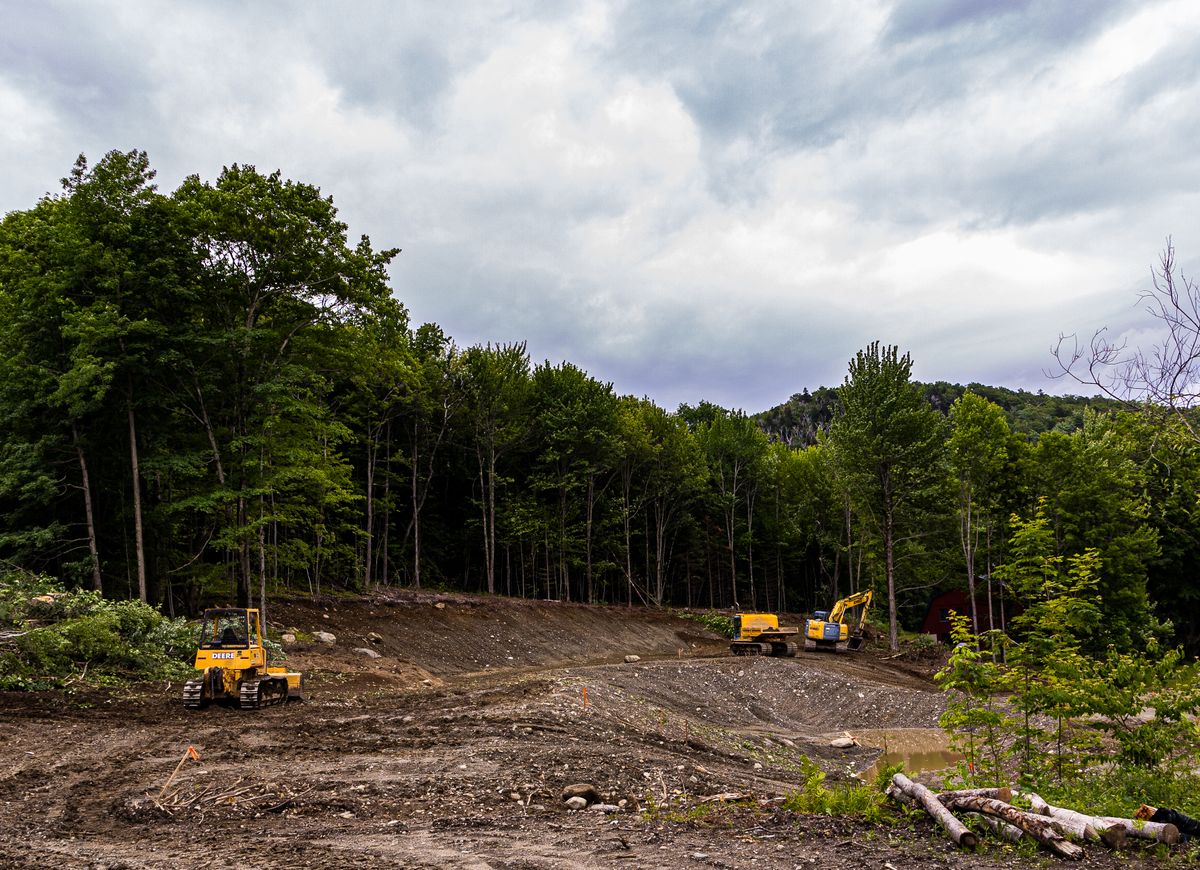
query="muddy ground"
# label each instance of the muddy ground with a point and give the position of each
(452, 750)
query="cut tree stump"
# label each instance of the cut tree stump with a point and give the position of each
(927, 800)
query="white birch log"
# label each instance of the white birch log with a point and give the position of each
(956, 830)
(1001, 794)
(1039, 827)
(1000, 828)
(1160, 831)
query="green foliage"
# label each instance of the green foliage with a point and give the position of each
(856, 799)
(295, 432)
(1099, 729)
(975, 717)
(715, 622)
(59, 637)
(889, 451)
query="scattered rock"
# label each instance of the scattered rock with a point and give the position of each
(576, 803)
(758, 765)
(368, 652)
(631, 659)
(605, 808)
(441, 605)
(324, 615)
(325, 637)
(584, 790)
(287, 637)
(846, 742)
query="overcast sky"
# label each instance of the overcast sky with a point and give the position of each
(702, 200)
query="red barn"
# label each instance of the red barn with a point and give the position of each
(937, 618)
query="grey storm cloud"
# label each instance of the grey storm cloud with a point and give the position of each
(704, 200)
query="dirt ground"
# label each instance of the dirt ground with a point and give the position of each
(452, 750)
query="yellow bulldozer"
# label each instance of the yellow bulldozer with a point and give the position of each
(233, 662)
(756, 634)
(830, 631)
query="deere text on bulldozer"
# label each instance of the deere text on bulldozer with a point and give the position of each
(831, 632)
(760, 634)
(234, 664)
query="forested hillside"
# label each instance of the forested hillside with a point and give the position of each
(798, 420)
(212, 394)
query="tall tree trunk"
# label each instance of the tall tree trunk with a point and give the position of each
(387, 507)
(368, 562)
(89, 514)
(416, 517)
(750, 498)
(968, 535)
(889, 547)
(587, 543)
(262, 567)
(488, 557)
(625, 510)
(138, 536)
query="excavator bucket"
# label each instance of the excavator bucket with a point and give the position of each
(854, 644)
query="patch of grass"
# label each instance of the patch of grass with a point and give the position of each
(1120, 791)
(855, 799)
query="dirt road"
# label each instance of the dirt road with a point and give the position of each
(452, 750)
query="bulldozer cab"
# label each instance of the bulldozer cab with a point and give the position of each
(228, 629)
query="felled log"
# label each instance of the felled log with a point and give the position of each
(1163, 832)
(1001, 794)
(957, 831)
(1111, 835)
(1076, 824)
(1040, 828)
(1000, 828)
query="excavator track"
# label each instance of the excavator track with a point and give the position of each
(262, 693)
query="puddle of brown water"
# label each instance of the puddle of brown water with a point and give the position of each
(918, 749)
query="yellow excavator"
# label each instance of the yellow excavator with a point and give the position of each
(830, 631)
(233, 662)
(759, 634)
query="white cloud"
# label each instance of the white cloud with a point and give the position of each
(725, 202)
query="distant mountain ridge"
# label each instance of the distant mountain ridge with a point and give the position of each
(798, 420)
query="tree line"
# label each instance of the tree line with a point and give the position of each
(212, 394)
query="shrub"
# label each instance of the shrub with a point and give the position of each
(713, 621)
(59, 637)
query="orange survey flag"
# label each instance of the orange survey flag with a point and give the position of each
(193, 753)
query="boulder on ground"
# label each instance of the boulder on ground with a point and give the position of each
(368, 652)
(325, 637)
(631, 659)
(584, 790)
(287, 637)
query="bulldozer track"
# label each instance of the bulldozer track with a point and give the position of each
(266, 692)
(193, 694)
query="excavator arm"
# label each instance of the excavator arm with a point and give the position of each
(844, 604)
